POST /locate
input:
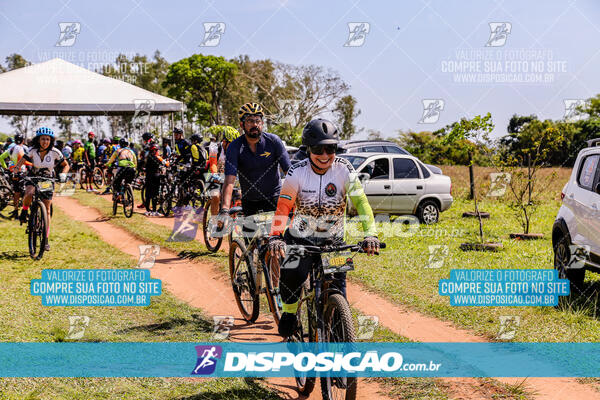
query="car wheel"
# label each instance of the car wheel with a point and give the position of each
(563, 261)
(428, 212)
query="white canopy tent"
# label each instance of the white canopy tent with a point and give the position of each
(57, 87)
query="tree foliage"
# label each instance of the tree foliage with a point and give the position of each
(202, 83)
(345, 111)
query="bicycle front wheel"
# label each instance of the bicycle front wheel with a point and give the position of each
(270, 292)
(128, 202)
(38, 230)
(305, 333)
(243, 281)
(208, 225)
(338, 327)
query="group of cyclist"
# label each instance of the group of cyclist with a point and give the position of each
(314, 189)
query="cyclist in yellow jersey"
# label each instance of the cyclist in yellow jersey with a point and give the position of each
(126, 162)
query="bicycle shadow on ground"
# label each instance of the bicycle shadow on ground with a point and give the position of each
(255, 390)
(13, 255)
(263, 330)
(198, 324)
(192, 255)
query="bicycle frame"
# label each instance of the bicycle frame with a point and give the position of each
(258, 241)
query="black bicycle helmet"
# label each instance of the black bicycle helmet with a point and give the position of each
(319, 131)
(147, 136)
(123, 142)
(177, 130)
(196, 138)
(18, 138)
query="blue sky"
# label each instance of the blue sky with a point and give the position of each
(406, 56)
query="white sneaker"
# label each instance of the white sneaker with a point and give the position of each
(148, 213)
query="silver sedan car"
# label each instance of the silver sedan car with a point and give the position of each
(401, 184)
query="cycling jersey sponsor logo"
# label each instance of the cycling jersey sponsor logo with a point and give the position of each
(330, 190)
(265, 154)
(207, 359)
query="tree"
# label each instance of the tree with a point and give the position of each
(65, 124)
(536, 140)
(201, 82)
(374, 134)
(15, 61)
(345, 112)
(471, 132)
(517, 122)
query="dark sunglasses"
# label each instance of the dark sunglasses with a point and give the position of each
(318, 150)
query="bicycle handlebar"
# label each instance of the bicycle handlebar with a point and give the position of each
(331, 249)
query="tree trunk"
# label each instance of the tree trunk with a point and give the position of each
(480, 221)
(471, 178)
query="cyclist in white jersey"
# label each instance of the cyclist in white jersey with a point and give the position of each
(44, 158)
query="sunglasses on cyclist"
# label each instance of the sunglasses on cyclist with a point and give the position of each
(318, 150)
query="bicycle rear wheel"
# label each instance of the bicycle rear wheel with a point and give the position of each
(128, 202)
(338, 327)
(6, 201)
(164, 199)
(212, 243)
(243, 281)
(98, 177)
(82, 178)
(38, 229)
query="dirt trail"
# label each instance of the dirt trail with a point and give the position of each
(419, 327)
(200, 285)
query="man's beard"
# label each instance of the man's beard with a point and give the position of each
(253, 133)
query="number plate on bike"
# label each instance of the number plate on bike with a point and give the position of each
(45, 186)
(337, 262)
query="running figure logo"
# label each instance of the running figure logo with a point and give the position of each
(437, 255)
(572, 114)
(148, 253)
(508, 326)
(498, 34)
(68, 33)
(431, 111)
(207, 359)
(212, 33)
(143, 110)
(358, 33)
(77, 325)
(185, 224)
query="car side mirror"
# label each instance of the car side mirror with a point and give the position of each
(363, 176)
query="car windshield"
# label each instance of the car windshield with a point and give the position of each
(354, 160)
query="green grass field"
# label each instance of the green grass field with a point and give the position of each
(24, 319)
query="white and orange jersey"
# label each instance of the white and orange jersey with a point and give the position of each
(320, 199)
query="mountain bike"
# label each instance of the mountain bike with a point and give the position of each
(324, 314)
(164, 197)
(38, 222)
(248, 266)
(124, 196)
(6, 201)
